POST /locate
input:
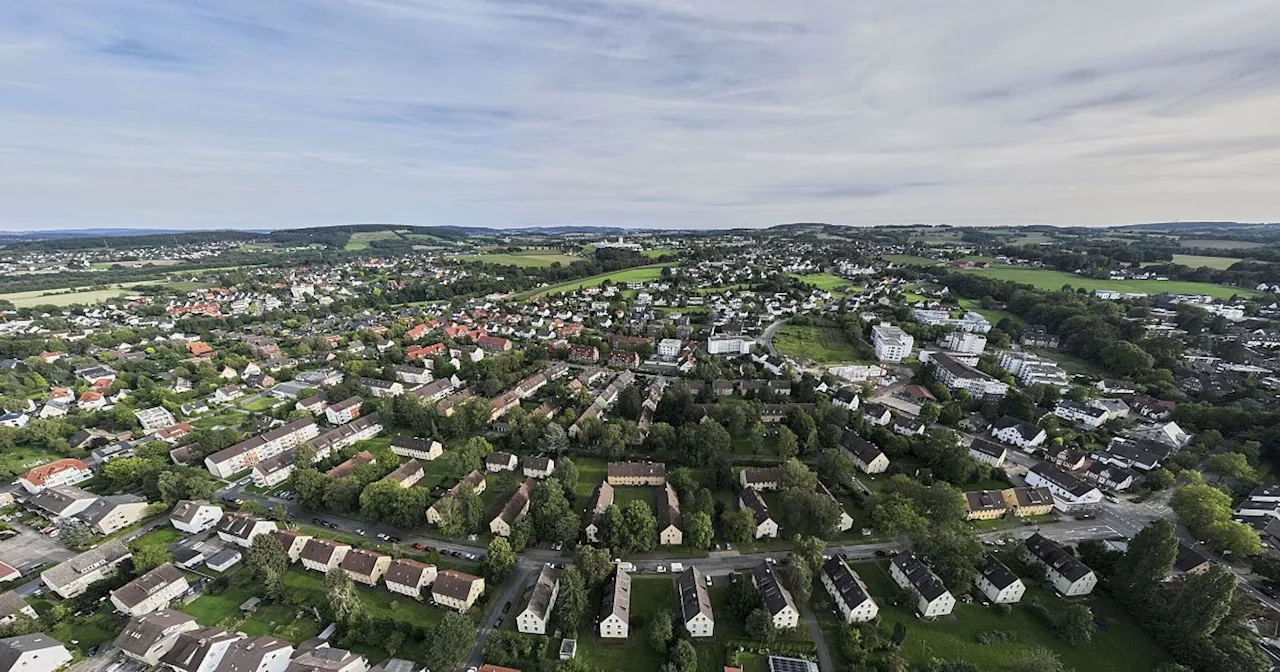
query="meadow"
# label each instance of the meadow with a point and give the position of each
(524, 258)
(824, 345)
(635, 274)
(1050, 280)
(825, 281)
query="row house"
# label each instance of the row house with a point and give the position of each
(416, 448)
(225, 463)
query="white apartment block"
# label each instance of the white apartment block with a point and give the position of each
(892, 343)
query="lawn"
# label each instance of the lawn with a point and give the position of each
(85, 632)
(212, 610)
(909, 260)
(285, 621)
(824, 345)
(164, 537)
(659, 252)
(374, 601)
(1050, 280)
(259, 404)
(625, 495)
(634, 274)
(526, 258)
(361, 239)
(227, 419)
(1196, 260)
(649, 595)
(60, 297)
(825, 281)
(591, 471)
(992, 314)
(1121, 647)
(20, 459)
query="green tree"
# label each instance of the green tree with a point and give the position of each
(953, 551)
(1145, 564)
(788, 446)
(1041, 659)
(150, 556)
(501, 560)
(1232, 465)
(595, 564)
(661, 631)
(738, 525)
(683, 656)
(342, 495)
(553, 517)
(1073, 623)
(342, 595)
(74, 534)
(636, 531)
(571, 602)
(452, 637)
(698, 530)
(310, 485)
(267, 563)
(759, 626)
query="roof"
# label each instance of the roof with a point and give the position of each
(138, 590)
(40, 474)
(322, 658)
(847, 583)
(925, 582)
(142, 632)
(454, 584)
(104, 506)
(11, 603)
(602, 498)
(988, 448)
(320, 550)
(192, 647)
(694, 599)
(498, 458)
(238, 525)
(518, 503)
(996, 572)
(246, 655)
(539, 603)
(404, 471)
(1053, 555)
(12, 648)
(361, 561)
(349, 402)
(756, 503)
(864, 450)
(259, 440)
(413, 443)
(1028, 496)
(62, 574)
(775, 596)
(761, 474)
(616, 600)
(356, 461)
(185, 511)
(1187, 560)
(637, 470)
(985, 500)
(405, 572)
(1062, 479)
(666, 507)
(59, 499)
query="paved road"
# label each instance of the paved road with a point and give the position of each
(766, 338)
(510, 593)
(815, 633)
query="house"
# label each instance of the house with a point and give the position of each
(601, 499)
(515, 509)
(1018, 433)
(240, 529)
(538, 467)
(409, 577)
(357, 430)
(406, 474)
(325, 658)
(63, 502)
(493, 344)
(997, 583)
(761, 479)
(615, 607)
(1068, 575)
(366, 567)
(535, 616)
(474, 480)
(13, 605)
(584, 354)
(1069, 493)
(68, 471)
(667, 507)
(314, 405)
(766, 526)
(695, 603)
(1189, 561)
(383, 388)
(32, 653)
(866, 455)
(189, 558)
(195, 516)
(225, 463)
(775, 597)
(412, 375)
(344, 411)
(256, 654)
(932, 597)
(322, 555)
(292, 542)
(637, 473)
(984, 505)
(456, 590)
(987, 452)
(905, 426)
(274, 470)
(155, 418)
(845, 398)
(850, 594)
(72, 577)
(151, 591)
(418, 449)
(877, 415)
(845, 523)
(110, 514)
(499, 461)
(149, 637)
(227, 393)
(199, 650)
(349, 466)
(1026, 501)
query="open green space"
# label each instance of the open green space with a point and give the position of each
(378, 602)
(634, 274)
(1050, 280)
(591, 471)
(82, 633)
(212, 610)
(1197, 261)
(360, 240)
(824, 345)
(1121, 647)
(285, 621)
(527, 258)
(61, 297)
(649, 595)
(227, 419)
(21, 459)
(827, 282)
(659, 252)
(992, 314)
(1215, 244)
(163, 536)
(909, 260)
(257, 404)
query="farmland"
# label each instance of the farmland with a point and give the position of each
(909, 260)
(1050, 280)
(1196, 260)
(825, 281)
(636, 274)
(61, 297)
(360, 240)
(524, 258)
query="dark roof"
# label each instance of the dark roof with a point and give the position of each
(851, 590)
(638, 469)
(138, 590)
(667, 506)
(988, 448)
(142, 632)
(11, 603)
(405, 572)
(246, 655)
(772, 593)
(455, 584)
(360, 561)
(616, 599)
(192, 647)
(985, 500)
(693, 594)
(925, 582)
(861, 448)
(996, 572)
(518, 502)
(540, 597)
(1188, 559)
(343, 405)
(412, 443)
(1053, 555)
(756, 503)
(12, 648)
(320, 550)
(238, 525)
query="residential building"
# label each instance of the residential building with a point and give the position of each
(322, 555)
(538, 467)
(68, 471)
(615, 607)
(997, 583)
(147, 638)
(195, 516)
(155, 418)
(344, 411)
(960, 376)
(12, 605)
(1090, 417)
(759, 478)
(151, 591)
(409, 577)
(199, 650)
(1029, 501)
(1070, 494)
(474, 480)
(984, 505)
(535, 616)
(1068, 575)
(1018, 433)
(850, 594)
(456, 590)
(72, 577)
(515, 509)
(256, 654)
(932, 597)
(499, 461)
(637, 473)
(775, 597)
(601, 499)
(729, 345)
(866, 455)
(366, 567)
(766, 526)
(845, 523)
(292, 542)
(274, 470)
(695, 603)
(65, 501)
(110, 514)
(667, 507)
(356, 461)
(892, 344)
(240, 528)
(243, 455)
(407, 474)
(987, 452)
(416, 448)
(32, 653)
(964, 342)
(361, 429)
(325, 658)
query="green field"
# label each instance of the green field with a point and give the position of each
(361, 239)
(1121, 647)
(825, 281)
(1050, 280)
(1212, 244)
(636, 274)
(909, 260)
(993, 314)
(61, 297)
(20, 459)
(1196, 261)
(658, 252)
(527, 258)
(824, 345)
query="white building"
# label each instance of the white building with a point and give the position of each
(243, 455)
(538, 608)
(1070, 494)
(195, 516)
(892, 343)
(409, 577)
(615, 607)
(68, 471)
(1068, 575)
(729, 345)
(964, 342)
(776, 598)
(1018, 433)
(33, 653)
(932, 597)
(997, 583)
(670, 348)
(151, 591)
(241, 529)
(850, 594)
(155, 418)
(695, 604)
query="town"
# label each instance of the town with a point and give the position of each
(802, 448)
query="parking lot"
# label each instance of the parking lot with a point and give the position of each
(29, 549)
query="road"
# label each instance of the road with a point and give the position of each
(510, 594)
(766, 338)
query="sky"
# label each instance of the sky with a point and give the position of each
(654, 113)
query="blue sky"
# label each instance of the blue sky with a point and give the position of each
(670, 113)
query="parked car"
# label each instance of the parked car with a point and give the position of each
(419, 546)
(360, 532)
(506, 607)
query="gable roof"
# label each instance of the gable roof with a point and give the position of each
(776, 598)
(846, 582)
(616, 599)
(694, 599)
(1053, 555)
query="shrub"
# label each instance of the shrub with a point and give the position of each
(997, 637)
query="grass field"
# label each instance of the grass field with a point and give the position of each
(1050, 280)
(1121, 647)
(1196, 260)
(636, 274)
(258, 405)
(528, 258)
(909, 260)
(658, 252)
(825, 281)
(993, 314)
(19, 459)
(60, 297)
(824, 345)
(1213, 244)
(649, 595)
(361, 239)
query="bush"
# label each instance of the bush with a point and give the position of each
(1002, 609)
(997, 637)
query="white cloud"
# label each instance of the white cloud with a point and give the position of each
(655, 113)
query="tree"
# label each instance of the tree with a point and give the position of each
(342, 495)
(571, 602)
(553, 440)
(553, 517)
(1073, 623)
(759, 626)
(310, 485)
(501, 559)
(929, 412)
(595, 564)
(952, 550)
(1145, 564)
(683, 655)
(521, 534)
(1125, 358)
(799, 576)
(1227, 465)
(150, 556)
(895, 514)
(795, 474)
(566, 474)
(1207, 512)
(628, 404)
(74, 534)
(452, 637)
(178, 484)
(743, 598)
(1235, 537)
(837, 467)
(633, 530)
(1041, 659)
(788, 446)
(660, 631)
(267, 563)
(698, 530)
(342, 595)
(738, 525)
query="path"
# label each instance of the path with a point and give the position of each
(815, 633)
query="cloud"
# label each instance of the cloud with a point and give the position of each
(671, 113)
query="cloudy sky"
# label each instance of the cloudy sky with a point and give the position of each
(676, 113)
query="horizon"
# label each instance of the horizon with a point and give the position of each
(132, 114)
